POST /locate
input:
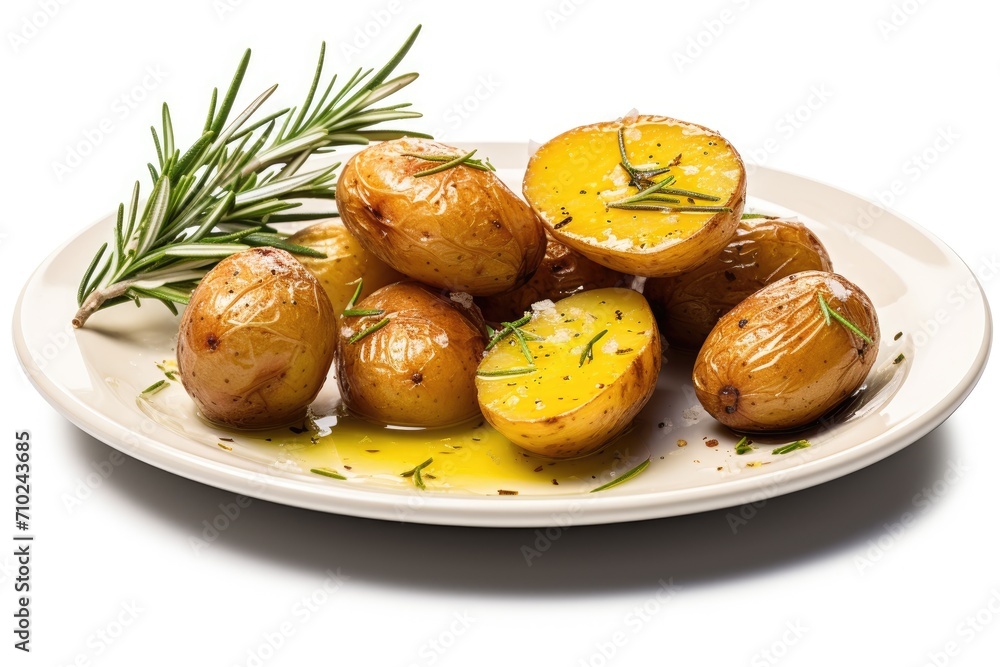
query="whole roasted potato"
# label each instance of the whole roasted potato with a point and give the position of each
(595, 359)
(563, 272)
(346, 263)
(256, 340)
(764, 250)
(412, 362)
(459, 229)
(780, 359)
(645, 195)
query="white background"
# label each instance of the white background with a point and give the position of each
(885, 79)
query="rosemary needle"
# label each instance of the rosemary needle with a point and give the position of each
(153, 388)
(829, 313)
(507, 372)
(588, 352)
(791, 447)
(239, 177)
(621, 479)
(370, 330)
(326, 472)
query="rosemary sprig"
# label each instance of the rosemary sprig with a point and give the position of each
(588, 352)
(222, 194)
(326, 472)
(829, 313)
(370, 330)
(653, 195)
(450, 161)
(414, 472)
(791, 447)
(621, 479)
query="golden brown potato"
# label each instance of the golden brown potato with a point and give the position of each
(596, 359)
(460, 229)
(764, 250)
(563, 272)
(345, 263)
(419, 367)
(256, 340)
(645, 195)
(776, 362)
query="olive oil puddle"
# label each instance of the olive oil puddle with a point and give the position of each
(468, 458)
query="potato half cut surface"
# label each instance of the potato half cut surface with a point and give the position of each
(566, 402)
(578, 184)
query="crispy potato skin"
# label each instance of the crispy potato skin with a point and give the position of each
(346, 261)
(772, 362)
(567, 409)
(419, 369)
(461, 229)
(592, 170)
(256, 340)
(764, 250)
(563, 272)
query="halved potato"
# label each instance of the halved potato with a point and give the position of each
(576, 184)
(764, 250)
(567, 403)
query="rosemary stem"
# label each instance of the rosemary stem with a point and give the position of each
(97, 298)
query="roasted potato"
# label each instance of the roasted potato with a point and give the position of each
(346, 263)
(595, 189)
(256, 340)
(413, 361)
(764, 250)
(594, 368)
(459, 229)
(563, 272)
(779, 361)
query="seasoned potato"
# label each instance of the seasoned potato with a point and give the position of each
(460, 229)
(562, 272)
(256, 340)
(345, 263)
(776, 362)
(570, 403)
(419, 368)
(589, 196)
(764, 250)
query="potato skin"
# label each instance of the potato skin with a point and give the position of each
(763, 251)
(256, 340)
(563, 272)
(419, 369)
(461, 229)
(772, 362)
(346, 261)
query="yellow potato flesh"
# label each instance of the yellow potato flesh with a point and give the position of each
(563, 408)
(572, 178)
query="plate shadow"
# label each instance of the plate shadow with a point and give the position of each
(697, 549)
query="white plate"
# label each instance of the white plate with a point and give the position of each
(919, 286)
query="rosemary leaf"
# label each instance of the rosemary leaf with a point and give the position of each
(621, 479)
